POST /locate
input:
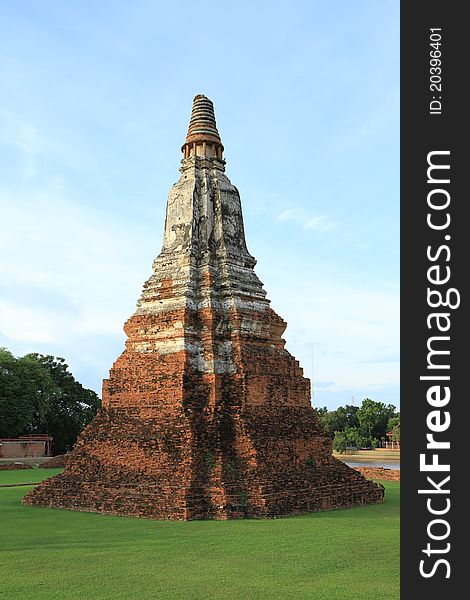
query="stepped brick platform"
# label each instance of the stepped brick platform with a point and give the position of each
(205, 414)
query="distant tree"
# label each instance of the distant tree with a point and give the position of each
(394, 427)
(374, 416)
(340, 442)
(352, 437)
(27, 391)
(38, 394)
(72, 409)
(321, 411)
(349, 413)
(362, 426)
(339, 419)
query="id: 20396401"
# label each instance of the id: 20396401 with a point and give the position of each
(435, 71)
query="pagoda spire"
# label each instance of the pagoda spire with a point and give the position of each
(205, 413)
(202, 138)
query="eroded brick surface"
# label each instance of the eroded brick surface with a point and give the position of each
(14, 466)
(379, 473)
(205, 414)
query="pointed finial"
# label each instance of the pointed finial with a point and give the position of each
(202, 139)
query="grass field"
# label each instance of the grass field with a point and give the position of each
(55, 554)
(26, 476)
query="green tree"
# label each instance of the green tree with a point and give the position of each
(321, 412)
(374, 416)
(27, 391)
(339, 419)
(38, 394)
(340, 442)
(72, 409)
(352, 437)
(394, 427)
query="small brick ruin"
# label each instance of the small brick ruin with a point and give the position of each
(205, 414)
(56, 462)
(14, 466)
(379, 473)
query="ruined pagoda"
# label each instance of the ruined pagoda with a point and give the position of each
(205, 414)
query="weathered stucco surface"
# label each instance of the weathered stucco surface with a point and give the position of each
(205, 413)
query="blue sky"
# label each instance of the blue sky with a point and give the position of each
(95, 104)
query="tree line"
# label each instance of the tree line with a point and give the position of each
(360, 426)
(38, 394)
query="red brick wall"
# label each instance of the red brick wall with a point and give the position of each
(18, 449)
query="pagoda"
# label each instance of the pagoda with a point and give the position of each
(205, 414)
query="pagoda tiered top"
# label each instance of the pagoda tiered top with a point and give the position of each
(202, 139)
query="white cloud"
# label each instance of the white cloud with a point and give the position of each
(20, 136)
(27, 324)
(303, 218)
(86, 268)
(348, 327)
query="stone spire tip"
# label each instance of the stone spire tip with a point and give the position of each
(202, 138)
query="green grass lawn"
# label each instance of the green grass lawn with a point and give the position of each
(26, 475)
(341, 555)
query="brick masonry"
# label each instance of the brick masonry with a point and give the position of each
(379, 473)
(56, 462)
(205, 413)
(22, 448)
